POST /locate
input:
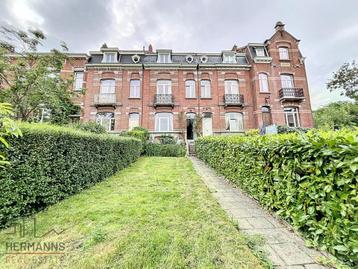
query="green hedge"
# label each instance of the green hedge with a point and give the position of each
(164, 150)
(51, 163)
(310, 180)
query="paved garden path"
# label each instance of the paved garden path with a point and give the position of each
(284, 248)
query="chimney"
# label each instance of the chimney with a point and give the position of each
(280, 26)
(150, 48)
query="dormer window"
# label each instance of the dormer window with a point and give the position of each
(164, 58)
(260, 52)
(109, 57)
(229, 58)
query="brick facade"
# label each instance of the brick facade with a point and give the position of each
(250, 61)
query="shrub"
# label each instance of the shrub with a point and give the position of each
(164, 150)
(252, 132)
(308, 179)
(167, 139)
(282, 129)
(50, 163)
(138, 132)
(90, 126)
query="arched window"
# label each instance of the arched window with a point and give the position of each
(263, 82)
(283, 52)
(134, 91)
(164, 122)
(190, 88)
(234, 122)
(106, 119)
(133, 120)
(231, 86)
(205, 88)
(108, 86)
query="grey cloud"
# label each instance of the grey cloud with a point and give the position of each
(328, 29)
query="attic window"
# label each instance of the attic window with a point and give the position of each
(229, 58)
(260, 52)
(110, 57)
(164, 58)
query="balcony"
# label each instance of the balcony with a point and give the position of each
(233, 100)
(291, 94)
(105, 99)
(163, 100)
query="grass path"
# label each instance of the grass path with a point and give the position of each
(154, 214)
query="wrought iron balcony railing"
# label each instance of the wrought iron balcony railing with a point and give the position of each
(291, 94)
(234, 100)
(105, 99)
(163, 100)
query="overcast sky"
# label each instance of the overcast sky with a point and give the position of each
(328, 30)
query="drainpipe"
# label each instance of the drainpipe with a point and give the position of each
(142, 96)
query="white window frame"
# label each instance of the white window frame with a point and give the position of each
(190, 88)
(108, 86)
(109, 57)
(260, 51)
(163, 122)
(106, 119)
(283, 53)
(234, 121)
(205, 88)
(229, 58)
(263, 82)
(292, 111)
(133, 120)
(164, 57)
(164, 86)
(231, 86)
(78, 80)
(287, 81)
(134, 88)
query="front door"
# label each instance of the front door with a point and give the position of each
(189, 129)
(207, 126)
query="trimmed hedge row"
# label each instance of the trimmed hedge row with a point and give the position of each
(308, 179)
(164, 150)
(50, 163)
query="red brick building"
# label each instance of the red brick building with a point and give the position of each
(183, 93)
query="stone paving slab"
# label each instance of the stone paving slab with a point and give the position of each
(284, 248)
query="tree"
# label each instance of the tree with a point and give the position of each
(31, 81)
(8, 128)
(346, 78)
(336, 115)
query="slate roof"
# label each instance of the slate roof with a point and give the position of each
(176, 59)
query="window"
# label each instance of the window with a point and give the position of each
(231, 87)
(164, 122)
(106, 119)
(229, 58)
(205, 89)
(108, 86)
(78, 80)
(190, 88)
(263, 82)
(134, 91)
(283, 53)
(133, 120)
(164, 58)
(260, 52)
(292, 117)
(164, 87)
(234, 122)
(110, 57)
(287, 81)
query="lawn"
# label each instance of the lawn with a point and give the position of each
(155, 214)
